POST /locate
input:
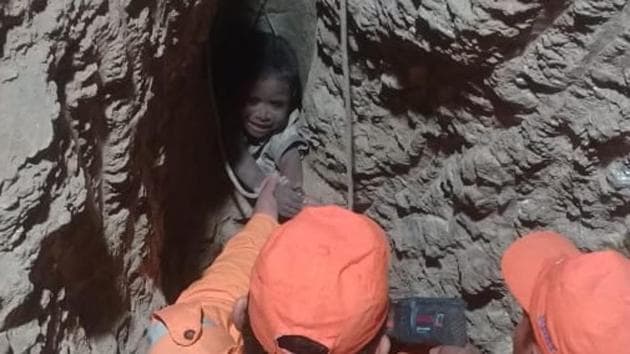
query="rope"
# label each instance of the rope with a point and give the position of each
(347, 102)
(261, 11)
(270, 24)
(226, 164)
(348, 107)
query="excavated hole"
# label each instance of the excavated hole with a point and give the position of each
(465, 136)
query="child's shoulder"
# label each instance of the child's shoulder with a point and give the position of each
(289, 137)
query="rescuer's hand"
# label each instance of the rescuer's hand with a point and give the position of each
(267, 203)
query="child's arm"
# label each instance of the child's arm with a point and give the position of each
(290, 195)
(248, 171)
(244, 165)
(291, 167)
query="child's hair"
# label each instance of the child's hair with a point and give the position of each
(260, 55)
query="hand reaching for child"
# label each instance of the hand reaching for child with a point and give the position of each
(267, 203)
(290, 198)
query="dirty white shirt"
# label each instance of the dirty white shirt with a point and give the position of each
(269, 152)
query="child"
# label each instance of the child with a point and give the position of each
(268, 98)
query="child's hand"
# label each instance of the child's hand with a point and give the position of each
(290, 198)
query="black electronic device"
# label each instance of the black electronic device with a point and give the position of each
(430, 321)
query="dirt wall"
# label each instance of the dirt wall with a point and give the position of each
(103, 110)
(475, 122)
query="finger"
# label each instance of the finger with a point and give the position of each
(289, 211)
(311, 201)
(300, 193)
(284, 181)
(293, 210)
(269, 183)
(296, 201)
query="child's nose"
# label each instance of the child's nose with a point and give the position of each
(265, 115)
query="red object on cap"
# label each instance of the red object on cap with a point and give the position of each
(578, 303)
(322, 275)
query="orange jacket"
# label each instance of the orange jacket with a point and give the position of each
(200, 320)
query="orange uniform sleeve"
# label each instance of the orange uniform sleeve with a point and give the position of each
(227, 278)
(200, 320)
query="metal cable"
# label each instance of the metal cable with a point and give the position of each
(347, 102)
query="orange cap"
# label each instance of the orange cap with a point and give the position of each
(577, 302)
(322, 275)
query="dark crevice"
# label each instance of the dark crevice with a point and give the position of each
(621, 211)
(505, 114)
(38, 6)
(475, 212)
(27, 311)
(91, 284)
(481, 299)
(546, 18)
(432, 262)
(6, 24)
(362, 206)
(608, 151)
(191, 195)
(446, 144)
(135, 7)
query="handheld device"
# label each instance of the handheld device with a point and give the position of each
(431, 321)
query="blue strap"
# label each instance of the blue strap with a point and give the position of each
(157, 330)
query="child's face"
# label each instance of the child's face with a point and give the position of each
(266, 107)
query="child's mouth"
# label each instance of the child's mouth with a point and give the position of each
(257, 127)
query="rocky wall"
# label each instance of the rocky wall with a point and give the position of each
(476, 121)
(106, 164)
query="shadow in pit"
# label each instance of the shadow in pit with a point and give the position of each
(75, 266)
(197, 187)
(196, 184)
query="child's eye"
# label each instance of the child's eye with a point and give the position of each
(277, 104)
(252, 101)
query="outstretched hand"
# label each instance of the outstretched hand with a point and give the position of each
(267, 203)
